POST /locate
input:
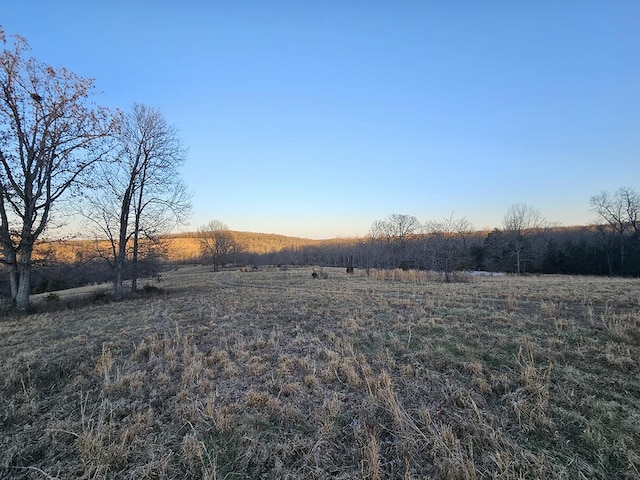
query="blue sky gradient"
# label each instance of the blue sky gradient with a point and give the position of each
(316, 118)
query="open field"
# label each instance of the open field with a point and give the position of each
(273, 374)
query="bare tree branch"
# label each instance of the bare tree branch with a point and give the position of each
(51, 136)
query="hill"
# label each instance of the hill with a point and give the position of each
(182, 246)
(250, 242)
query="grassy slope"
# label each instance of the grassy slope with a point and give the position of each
(273, 374)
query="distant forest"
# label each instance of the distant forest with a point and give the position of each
(585, 250)
(525, 243)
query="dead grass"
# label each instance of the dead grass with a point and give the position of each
(273, 374)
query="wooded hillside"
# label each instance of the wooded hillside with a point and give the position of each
(180, 246)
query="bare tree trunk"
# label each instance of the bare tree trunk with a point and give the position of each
(118, 290)
(139, 206)
(12, 270)
(24, 278)
(13, 282)
(121, 256)
(134, 260)
(24, 288)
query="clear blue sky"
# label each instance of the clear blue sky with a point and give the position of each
(317, 118)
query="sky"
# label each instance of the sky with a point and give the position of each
(315, 119)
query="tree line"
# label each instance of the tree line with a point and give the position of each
(62, 153)
(524, 243)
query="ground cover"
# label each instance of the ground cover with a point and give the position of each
(275, 374)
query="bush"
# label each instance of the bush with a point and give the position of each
(151, 289)
(100, 297)
(318, 273)
(52, 297)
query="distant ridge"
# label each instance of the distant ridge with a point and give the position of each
(186, 246)
(252, 242)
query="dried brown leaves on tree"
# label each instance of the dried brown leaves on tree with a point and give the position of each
(51, 135)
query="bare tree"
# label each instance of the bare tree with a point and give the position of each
(395, 232)
(519, 223)
(450, 236)
(399, 228)
(161, 198)
(620, 211)
(50, 137)
(142, 194)
(217, 242)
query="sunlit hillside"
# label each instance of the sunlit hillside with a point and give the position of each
(250, 242)
(180, 247)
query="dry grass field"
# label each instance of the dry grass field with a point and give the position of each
(274, 374)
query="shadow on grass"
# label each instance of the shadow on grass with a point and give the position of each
(53, 302)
